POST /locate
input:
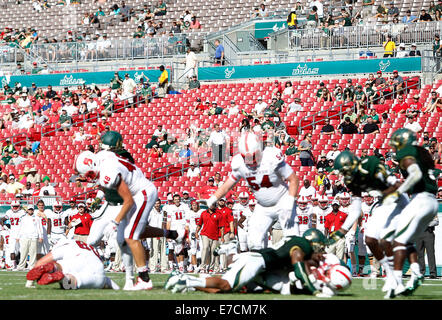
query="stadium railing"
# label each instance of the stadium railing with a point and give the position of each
(338, 110)
(18, 139)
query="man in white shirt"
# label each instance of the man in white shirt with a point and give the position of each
(158, 257)
(295, 106)
(307, 190)
(13, 185)
(193, 171)
(30, 232)
(191, 63)
(233, 109)
(159, 132)
(103, 45)
(412, 124)
(218, 140)
(331, 155)
(91, 104)
(128, 86)
(70, 109)
(259, 107)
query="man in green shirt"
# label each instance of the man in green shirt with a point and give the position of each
(139, 33)
(35, 68)
(65, 120)
(215, 109)
(278, 102)
(369, 92)
(116, 81)
(359, 98)
(6, 158)
(194, 83)
(9, 99)
(66, 93)
(267, 124)
(292, 149)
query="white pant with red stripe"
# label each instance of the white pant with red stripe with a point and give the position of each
(135, 221)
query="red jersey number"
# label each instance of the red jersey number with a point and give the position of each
(178, 215)
(265, 183)
(85, 246)
(14, 221)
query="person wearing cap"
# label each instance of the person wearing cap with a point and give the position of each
(65, 120)
(47, 187)
(193, 171)
(389, 47)
(349, 90)
(322, 163)
(9, 147)
(128, 86)
(332, 154)
(295, 106)
(348, 127)
(435, 103)
(320, 179)
(82, 222)
(402, 53)
(412, 124)
(360, 99)
(17, 159)
(413, 51)
(292, 148)
(333, 222)
(259, 107)
(215, 109)
(207, 190)
(29, 234)
(233, 109)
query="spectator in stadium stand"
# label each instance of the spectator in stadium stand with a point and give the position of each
(291, 149)
(47, 187)
(161, 9)
(434, 104)
(5, 158)
(439, 193)
(218, 181)
(32, 175)
(401, 105)
(412, 124)
(219, 53)
(323, 94)
(295, 106)
(327, 129)
(413, 51)
(194, 83)
(389, 47)
(359, 98)
(288, 89)
(208, 227)
(14, 186)
(194, 23)
(65, 120)
(116, 82)
(28, 191)
(218, 141)
(349, 91)
(402, 53)
(50, 94)
(323, 163)
(193, 171)
(207, 190)
(305, 147)
(424, 16)
(320, 178)
(409, 18)
(373, 115)
(348, 127)
(82, 222)
(163, 82)
(370, 127)
(155, 152)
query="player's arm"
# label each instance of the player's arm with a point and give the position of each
(46, 259)
(222, 191)
(197, 232)
(414, 175)
(313, 219)
(300, 269)
(128, 200)
(49, 225)
(241, 220)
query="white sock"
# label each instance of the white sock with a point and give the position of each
(142, 269)
(128, 264)
(193, 282)
(398, 276)
(415, 269)
(386, 266)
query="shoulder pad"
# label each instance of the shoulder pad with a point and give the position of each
(237, 162)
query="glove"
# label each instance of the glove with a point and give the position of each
(391, 198)
(335, 237)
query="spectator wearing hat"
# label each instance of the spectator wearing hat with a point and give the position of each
(116, 82)
(47, 189)
(322, 163)
(207, 190)
(323, 94)
(332, 154)
(233, 109)
(29, 233)
(295, 106)
(398, 82)
(349, 90)
(292, 148)
(14, 186)
(193, 171)
(17, 159)
(402, 53)
(320, 178)
(413, 51)
(215, 109)
(9, 147)
(186, 198)
(82, 222)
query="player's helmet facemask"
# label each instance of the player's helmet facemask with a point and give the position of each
(346, 163)
(317, 239)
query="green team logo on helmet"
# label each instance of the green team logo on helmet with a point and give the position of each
(111, 140)
(402, 138)
(346, 162)
(317, 239)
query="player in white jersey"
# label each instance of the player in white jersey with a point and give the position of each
(14, 216)
(192, 221)
(43, 215)
(243, 225)
(319, 213)
(74, 264)
(304, 211)
(139, 196)
(237, 210)
(177, 214)
(56, 223)
(314, 200)
(273, 183)
(5, 248)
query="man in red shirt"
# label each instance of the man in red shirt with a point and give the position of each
(415, 106)
(334, 221)
(401, 106)
(82, 221)
(207, 190)
(227, 214)
(210, 222)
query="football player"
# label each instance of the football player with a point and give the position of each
(292, 252)
(191, 223)
(139, 196)
(74, 264)
(14, 216)
(416, 166)
(43, 214)
(366, 175)
(304, 211)
(319, 213)
(177, 215)
(273, 183)
(5, 247)
(238, 210)
(243, 225)
(56, 223)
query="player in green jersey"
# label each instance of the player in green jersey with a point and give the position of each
(293, 253)
(416, 166)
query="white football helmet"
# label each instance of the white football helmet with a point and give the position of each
(243, 198)
(57, 207)
(250, 148)
(345, 199)
(323, 202)
(302, 202)
(15, 205)
(339, 276)
(368, 199)
(87, 165)
(315, 198)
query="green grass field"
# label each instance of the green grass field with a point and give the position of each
(12, 287)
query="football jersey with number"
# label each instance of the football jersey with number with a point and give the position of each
(44, 222)
(237, 209)
(57, 221)
(267, 181)
(177, 216)
(320, 217)
(113, 170)
(5, 234)
(14, 219)
(304, 218)
(366, 214)
(247, 213)
(193, 219)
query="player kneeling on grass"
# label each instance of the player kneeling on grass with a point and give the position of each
(72, 263)
(295, 253)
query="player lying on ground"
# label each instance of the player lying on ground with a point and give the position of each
(296, 253)
(74, 264)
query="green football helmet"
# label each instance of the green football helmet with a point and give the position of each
(402, 138)
(317, 239)
(346, 163)
(112, 140)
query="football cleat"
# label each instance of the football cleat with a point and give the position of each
(128, 286)
(142, 285)
(49, 278)
(412, 285)
(180, 284)
(173, 279)
(228, 248)
(37, 272)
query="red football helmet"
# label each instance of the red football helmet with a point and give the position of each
(302, 202)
